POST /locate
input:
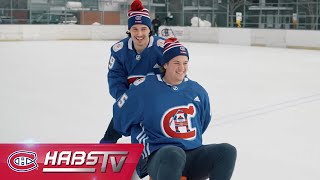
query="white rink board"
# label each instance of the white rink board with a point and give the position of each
(303, 39)
(265, 101)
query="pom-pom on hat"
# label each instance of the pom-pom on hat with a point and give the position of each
(173, 48)
(138, 15)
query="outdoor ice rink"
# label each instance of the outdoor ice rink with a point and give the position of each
(265, 101)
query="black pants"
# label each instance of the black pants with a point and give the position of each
(111, 135)
(156, 31)
(214, 161)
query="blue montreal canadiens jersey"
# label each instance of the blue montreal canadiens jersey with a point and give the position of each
(126, 65)
(156, 114)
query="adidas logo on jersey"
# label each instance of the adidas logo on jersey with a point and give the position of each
(196, 99)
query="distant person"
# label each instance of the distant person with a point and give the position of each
(168, 18)
(156, 23)
(168, 113)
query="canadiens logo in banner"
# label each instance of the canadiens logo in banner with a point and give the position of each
(68, 161)
(22, 161)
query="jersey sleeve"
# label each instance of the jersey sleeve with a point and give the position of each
(206, 113)
(128, 110)
(117, 76)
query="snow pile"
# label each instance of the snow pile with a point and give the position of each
(195, 21)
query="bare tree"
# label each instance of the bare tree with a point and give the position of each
(4, 4)
(15, 4)
(311, 8)
(19, 4)
(234, 5)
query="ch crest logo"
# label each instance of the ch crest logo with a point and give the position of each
(138, 18)
(22, 161)
(117, 46)
(176, 122)
(160, 43)
(183, 50)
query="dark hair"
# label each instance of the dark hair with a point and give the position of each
(162, 70)
(150, 34)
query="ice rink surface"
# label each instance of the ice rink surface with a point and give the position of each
(265, 101)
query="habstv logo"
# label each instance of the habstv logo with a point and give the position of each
(22, 161)
(82, 161)
(68, 161)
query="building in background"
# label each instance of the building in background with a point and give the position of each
(274, 14)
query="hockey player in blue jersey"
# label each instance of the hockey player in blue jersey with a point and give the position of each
(168, 113)
(132, 58)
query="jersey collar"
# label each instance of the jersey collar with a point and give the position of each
(159, 77)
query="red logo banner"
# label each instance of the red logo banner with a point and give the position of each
(68, 161)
